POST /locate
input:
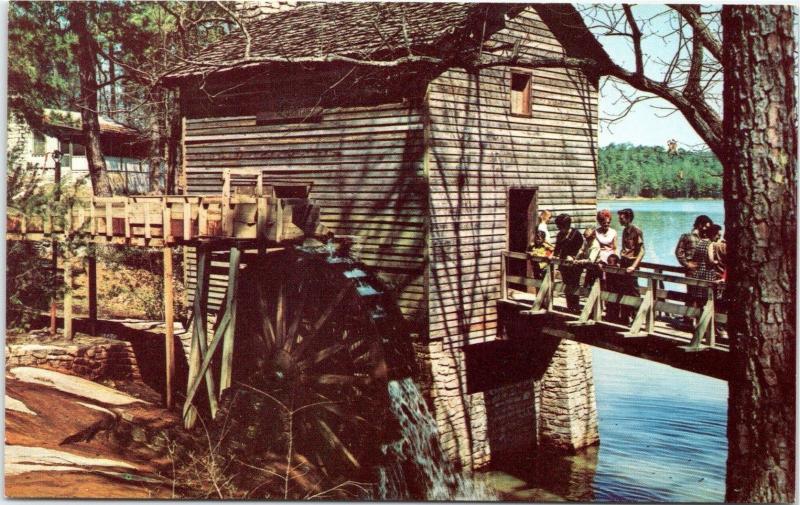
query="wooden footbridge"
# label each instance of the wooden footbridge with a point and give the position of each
(663, 327)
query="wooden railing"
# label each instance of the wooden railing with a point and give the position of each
(159, 220)
(653, 303)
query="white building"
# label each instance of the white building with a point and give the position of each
(123, 148)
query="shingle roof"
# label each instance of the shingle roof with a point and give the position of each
(363, 30)
(72, 120)
(372, 30)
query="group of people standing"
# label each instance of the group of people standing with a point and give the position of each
(701, 252)
(596, 246)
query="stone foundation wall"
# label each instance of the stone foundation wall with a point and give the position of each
(511, 416)
(472, 426)
(567, 406)
(556, 410)
(112, 360)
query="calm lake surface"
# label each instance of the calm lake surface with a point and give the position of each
(662, 430)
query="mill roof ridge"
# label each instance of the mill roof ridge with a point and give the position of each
(354, 29)
(370, 30)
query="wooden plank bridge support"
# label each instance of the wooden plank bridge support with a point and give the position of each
(202, 354)
(642, 325)
(68, 264)
(169, 321)
(198, 330)
(91, 273)
(592, 308)
(544, 296)
(705, 328)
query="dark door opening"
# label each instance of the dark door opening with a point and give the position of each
(521, 227)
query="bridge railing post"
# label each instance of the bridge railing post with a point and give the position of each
(551, 269)
(503, 277)
(704, 329)
(591, 312)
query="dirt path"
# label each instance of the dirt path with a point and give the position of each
(68, 437)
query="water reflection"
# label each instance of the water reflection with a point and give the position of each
(541, 475)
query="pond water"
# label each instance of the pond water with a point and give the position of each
(662, 430)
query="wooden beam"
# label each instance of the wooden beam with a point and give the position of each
(187, 220)
(230, 308)
(68, 297)
(169, 321)
(147, 232)
(91, 273)
(109, 219)
(198, 332)
(166, 222)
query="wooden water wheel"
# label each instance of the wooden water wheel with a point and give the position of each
(318, 336)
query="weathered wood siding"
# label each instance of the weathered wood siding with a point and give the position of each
(365, 163)
(477, 150)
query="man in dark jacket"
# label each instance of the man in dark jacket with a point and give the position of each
(569, 242)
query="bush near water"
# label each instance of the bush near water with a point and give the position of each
(648, 171)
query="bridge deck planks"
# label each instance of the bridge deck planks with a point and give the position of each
(663, 346)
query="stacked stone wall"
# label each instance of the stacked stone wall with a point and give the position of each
(555, 410)
(567, 406)
(511, 416)
(93, 361)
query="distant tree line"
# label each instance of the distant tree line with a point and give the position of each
(649, 171)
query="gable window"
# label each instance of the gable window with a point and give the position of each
(39, 144)
(520, 94)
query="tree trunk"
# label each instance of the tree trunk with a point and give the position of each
(760, 201)
(156, 161)
(85, 53)
(173, 146)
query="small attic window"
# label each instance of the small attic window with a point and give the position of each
(521, 94)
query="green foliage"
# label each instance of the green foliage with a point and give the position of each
(30, 280)
(41, 69)
(648, 171)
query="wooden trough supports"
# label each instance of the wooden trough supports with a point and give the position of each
(202, 352)
(228, 220)
(654, 300)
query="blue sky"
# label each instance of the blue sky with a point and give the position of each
(647, 123)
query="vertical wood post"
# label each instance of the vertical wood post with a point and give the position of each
(652, 287)
(551, 273)
(169, 320)
(92, 275)
(503, 274)
(67, 296)
(230, 307)
(711, 338)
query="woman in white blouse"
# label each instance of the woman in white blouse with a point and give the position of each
(605, 235)
(544, 217)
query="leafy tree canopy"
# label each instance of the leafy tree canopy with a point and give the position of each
(648, 171)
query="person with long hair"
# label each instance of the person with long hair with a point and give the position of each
(544, 217)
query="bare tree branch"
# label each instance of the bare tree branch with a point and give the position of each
(636, 35)
(248, 39)
(696, 63)
(691, 13)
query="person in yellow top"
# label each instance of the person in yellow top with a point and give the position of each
(540, 247)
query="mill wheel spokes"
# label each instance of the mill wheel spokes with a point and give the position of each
(311, 333)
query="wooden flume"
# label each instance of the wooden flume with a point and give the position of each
(229, 221)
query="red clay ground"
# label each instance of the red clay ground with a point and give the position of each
(63, 439)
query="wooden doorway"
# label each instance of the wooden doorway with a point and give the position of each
(521, 222)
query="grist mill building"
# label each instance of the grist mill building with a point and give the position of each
(436, 163)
